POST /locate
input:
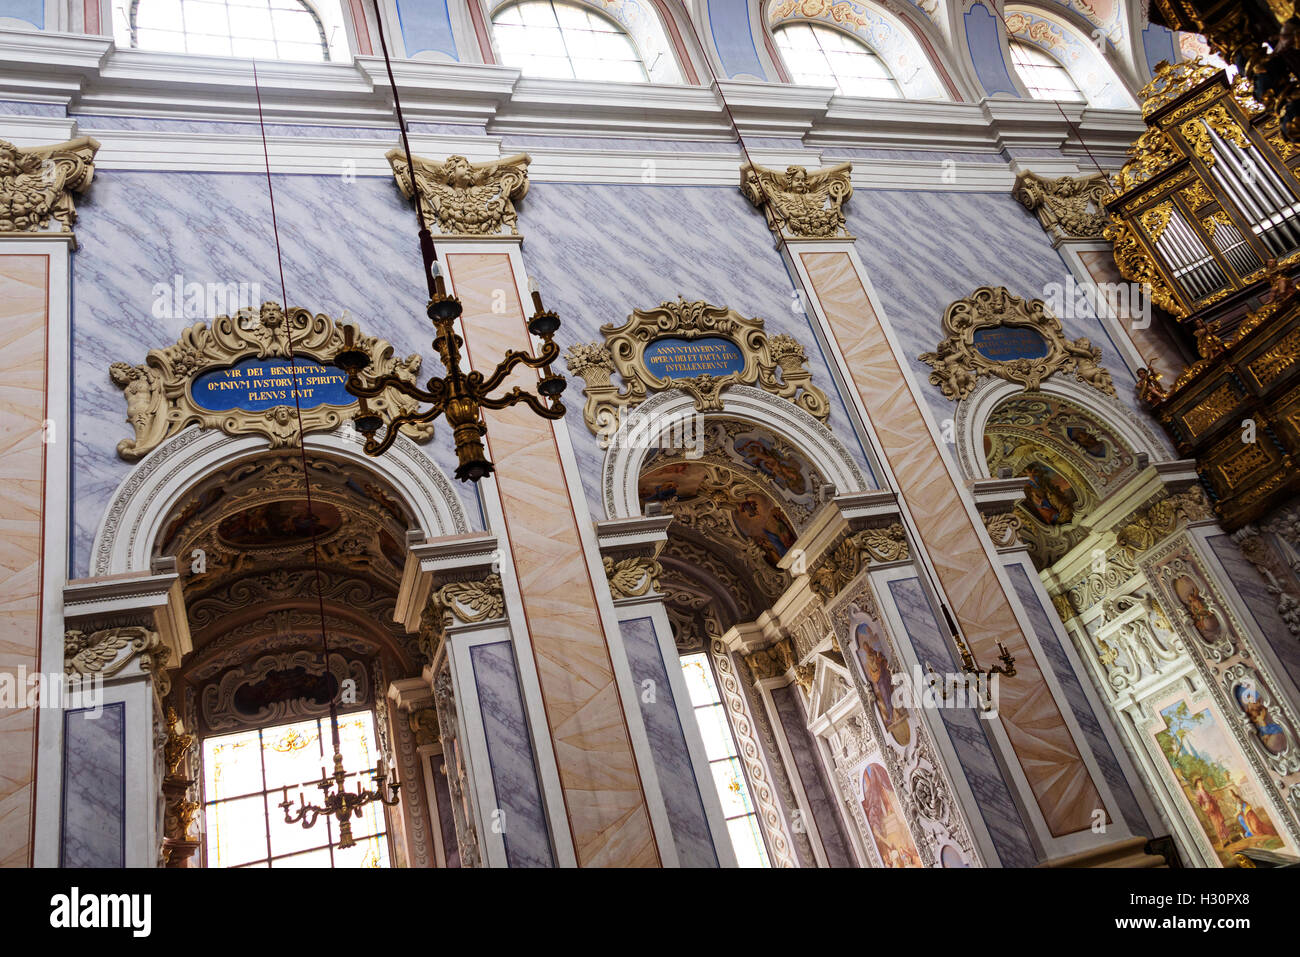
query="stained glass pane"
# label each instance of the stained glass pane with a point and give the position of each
(236, 831)
(232, 765)
(715, 731)
(748, 842)
(699, 680)
(372, 852)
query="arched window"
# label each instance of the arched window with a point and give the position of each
(567, 41)
(822, 56)
(262, 29)
(1042, 75)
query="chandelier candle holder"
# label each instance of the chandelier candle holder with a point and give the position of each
(343, 805)
(461, 396)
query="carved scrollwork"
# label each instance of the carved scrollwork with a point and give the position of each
(623, 352)
(772, 661)
(1073, 205)
(158, 398)
(36, 184)
(845, 560)
(632, 577)
(798, 202)
(1003, 528)
(461, 198)
(107, 651)
(959, 363)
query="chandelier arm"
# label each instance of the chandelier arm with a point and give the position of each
(517, 395)
(397, 384)
(515, 357)
(374, 447)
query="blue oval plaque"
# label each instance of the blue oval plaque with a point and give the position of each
(676, 358)
(255, 385)
(1008, 343)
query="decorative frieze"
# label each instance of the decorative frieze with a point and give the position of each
(845, 560)
(37, 183)
(799, 203)
(460, 198)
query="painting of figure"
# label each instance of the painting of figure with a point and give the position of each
(781, 469)
(1271, 734)
(1204, 618)
(874, 659)
(279, 524)
(1048, 496)
(1087, 440)
(762, 523)
(1212, 774)
(888, 828)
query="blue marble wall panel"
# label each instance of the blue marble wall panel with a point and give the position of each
(1089, 721)
(1263, 606)
(426, 27)
(446, 820)
(348, 245)
(924, 250)
(820, 793)
(514, 774)
(601, 251)
(966, 730)
(983, 40)
(93, 820)
(677, 781)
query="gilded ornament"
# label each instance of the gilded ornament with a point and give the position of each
(772, 661)
(158, 393)
(1074, 205)
(37, 183)
(799, 203)
(1170, 81)
(632, 577)
(777, 364)
(1136, 265)
(461, 198)
(845, 560)
(178, 744)
(958, 364)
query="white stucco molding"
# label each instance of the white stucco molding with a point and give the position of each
(143, 501)
(667, 411)
(973, 412)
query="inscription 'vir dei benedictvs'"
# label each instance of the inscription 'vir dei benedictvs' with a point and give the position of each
(255, 385)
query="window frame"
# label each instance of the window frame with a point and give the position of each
(1015, 43)
(619, 28)
(133, 31)
(816, 26)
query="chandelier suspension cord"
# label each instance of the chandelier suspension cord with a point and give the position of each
(302, 444)
(805, 297)
(427, 252)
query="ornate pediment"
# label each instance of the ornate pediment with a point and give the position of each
(1071, 207)
(694, 346)
(799, 203)
(460, 198)
(992, 332)
(237, 375)
(36, 184)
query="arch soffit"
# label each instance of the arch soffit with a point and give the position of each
(973, 413)
(1074, 26)
(150, 492)
(668, 410)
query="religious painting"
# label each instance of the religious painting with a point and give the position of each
(1040, 425)
(1089, 441)
(1049, 497)
(759, 520)
(782, 469)
(874, 657)
(277, 524)
(1271, 734)
(1212, 775)
(1205, 619)
(194, 508)
(885, 819)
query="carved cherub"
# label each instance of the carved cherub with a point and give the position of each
(36, 184)
(464, 197)
(800, 202)
(1149, 390)
(143, 390)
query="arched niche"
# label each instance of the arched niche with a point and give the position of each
(145, 499)
(667, 415)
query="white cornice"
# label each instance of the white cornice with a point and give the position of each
(88, 76)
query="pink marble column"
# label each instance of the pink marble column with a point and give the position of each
(1058, 777)
(603, 797)
(24, 315)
